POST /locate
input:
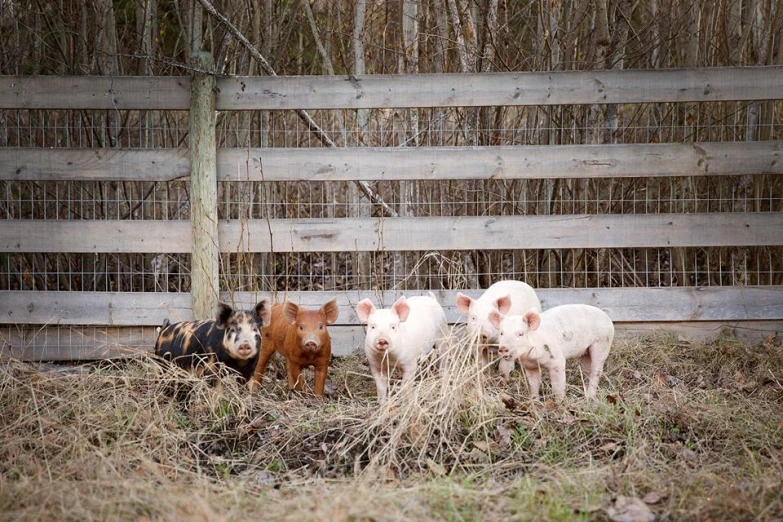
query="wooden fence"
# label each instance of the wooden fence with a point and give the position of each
(40, 321)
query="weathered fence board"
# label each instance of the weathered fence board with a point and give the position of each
(170, 236)
(95, 92)
(622, 304)
(402, 234)
(520, 88)
(72, 343)
(378, 91)
(503, 232)
(524, 162)
(38, 164)
(421, 163)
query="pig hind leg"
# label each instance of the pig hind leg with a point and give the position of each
(592, 365)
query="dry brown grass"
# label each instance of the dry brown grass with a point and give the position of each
(698, 426)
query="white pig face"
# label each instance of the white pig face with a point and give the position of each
(478, 323)
(383, 326)
(514, 339)
(383, 330)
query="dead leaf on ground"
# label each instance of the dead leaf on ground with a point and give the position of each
(654, 496)
(567, 419)
(609, 447)
(687, 454)
(436, 467)
(508, 401)
(504, 435)
(629, 509)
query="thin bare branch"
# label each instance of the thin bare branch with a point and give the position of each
(303, 115)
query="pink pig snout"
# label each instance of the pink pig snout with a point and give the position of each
(381, 344)
(504, 352)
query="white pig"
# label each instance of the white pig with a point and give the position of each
(509, 297)
(399, 335)
(546, 340)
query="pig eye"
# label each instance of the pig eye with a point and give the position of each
(320, 327)
(301, 328)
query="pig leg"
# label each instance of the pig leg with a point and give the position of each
(381, 383)
(558, 376)
(596, 355)
(255, 382)
(320, 379)
(505, 367)
(294, 376)
(534, 381)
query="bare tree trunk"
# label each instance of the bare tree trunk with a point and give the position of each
(108, 62)
(362, 261)
(466, 50)
(265, 188)
(603, 42)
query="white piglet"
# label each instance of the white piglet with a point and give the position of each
(548, 339)
(398, 336)
(508, 297)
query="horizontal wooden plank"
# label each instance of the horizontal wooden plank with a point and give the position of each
(93, 308)
(74, 343)
(515, 88)
(95, 92)
(39, 164)
(173, 236)
(423, 163)
(402, 233)
(622, 304)
(379, 91)
(503, 232)
(528, 162)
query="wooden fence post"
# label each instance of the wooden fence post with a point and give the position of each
(203, 188)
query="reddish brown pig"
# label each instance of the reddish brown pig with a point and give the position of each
(301, 336)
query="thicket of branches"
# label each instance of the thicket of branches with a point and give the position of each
(155, 37)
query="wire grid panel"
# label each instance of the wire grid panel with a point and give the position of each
(164, 272)
(59, 343)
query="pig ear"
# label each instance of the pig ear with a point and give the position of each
(331, 311)
(263, 312)
(463, 303)
(290, 310)
(223, 313)
(364, 309)
(504, 304)
(495, 318)
(401, 308)
(532, 319)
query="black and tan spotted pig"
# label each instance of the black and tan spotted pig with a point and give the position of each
(233, 338)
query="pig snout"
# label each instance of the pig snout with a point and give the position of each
(311, 345)
(504, 352)
(245, 349)
(381, 344)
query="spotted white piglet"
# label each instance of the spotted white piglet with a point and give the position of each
(509, 297)
(548, 339)
(398, 336)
